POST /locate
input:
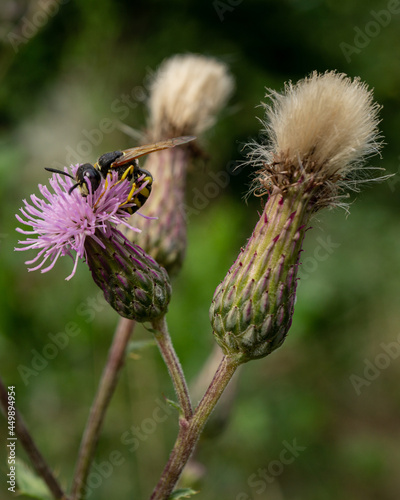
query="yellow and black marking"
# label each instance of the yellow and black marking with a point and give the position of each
(142, 178)
(125, 163)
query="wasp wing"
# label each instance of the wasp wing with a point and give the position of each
(133, 153)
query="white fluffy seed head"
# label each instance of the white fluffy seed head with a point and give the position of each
(186, 94)
(325, 125)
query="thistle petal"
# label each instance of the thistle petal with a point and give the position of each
(61, 222)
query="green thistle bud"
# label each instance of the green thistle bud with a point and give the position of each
(252, 308)
(134, 284)
(320, 132)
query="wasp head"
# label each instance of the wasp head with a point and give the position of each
(85, 175)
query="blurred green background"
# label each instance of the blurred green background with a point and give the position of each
(58, 81)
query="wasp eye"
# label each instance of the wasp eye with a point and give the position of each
(83, 169)
(93, 176)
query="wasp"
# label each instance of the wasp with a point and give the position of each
(126, 164)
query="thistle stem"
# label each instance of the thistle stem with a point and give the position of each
(100, 404)
(31, 449)
(190, 430)
(174, 367)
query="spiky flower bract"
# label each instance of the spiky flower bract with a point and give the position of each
(320, 132)
(186, 94)
(252, 308)
(134, 284)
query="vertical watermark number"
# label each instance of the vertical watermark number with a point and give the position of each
(11, 439)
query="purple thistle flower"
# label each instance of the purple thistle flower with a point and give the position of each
(61, 222)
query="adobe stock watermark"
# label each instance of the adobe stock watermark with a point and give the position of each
(211, 190)
(363, 36)
(372, 369)
(120, 108)
(221, 8)
(30, 25)
(102, 470)
(59, 341)
(260, 480)
(131, 438)
(321, 252)
(138, 434)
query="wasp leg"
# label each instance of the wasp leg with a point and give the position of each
(102, 194)
(127, 172)
(130, 195)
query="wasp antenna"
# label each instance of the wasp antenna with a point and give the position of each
(73, 187)
(56, 171)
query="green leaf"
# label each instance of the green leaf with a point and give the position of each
(29, 483)
(174, 404)
(182, 493)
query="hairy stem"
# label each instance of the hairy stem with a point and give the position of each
(174, 367)
(31, 449)
(100, 404)
(190, 430)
